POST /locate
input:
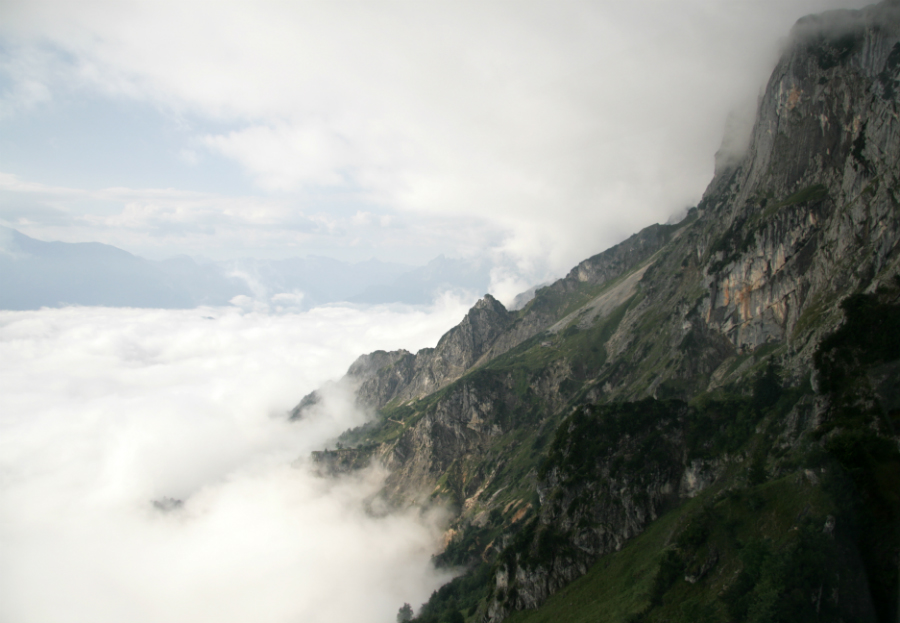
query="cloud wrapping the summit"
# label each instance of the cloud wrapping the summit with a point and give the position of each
(565, 126)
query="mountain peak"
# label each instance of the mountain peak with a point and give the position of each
(489, 302)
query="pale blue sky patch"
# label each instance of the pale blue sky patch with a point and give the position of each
(90, 141)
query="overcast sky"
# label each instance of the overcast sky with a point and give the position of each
(539, 132)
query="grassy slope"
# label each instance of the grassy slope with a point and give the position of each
(843, 473)
(764, 518)
(619, 586)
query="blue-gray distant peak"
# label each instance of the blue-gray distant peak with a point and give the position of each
(35, 274)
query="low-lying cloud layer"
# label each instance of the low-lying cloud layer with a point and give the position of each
(103, 412)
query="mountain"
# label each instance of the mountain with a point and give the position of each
(35, 274)
(700, 423)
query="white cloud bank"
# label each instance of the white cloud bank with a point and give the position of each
(103, 411)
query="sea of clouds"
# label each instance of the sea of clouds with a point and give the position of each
(104, 411)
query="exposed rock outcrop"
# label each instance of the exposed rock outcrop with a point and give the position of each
(812, 213)
(414, 376)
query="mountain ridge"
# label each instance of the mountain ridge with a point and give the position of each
(694, 361)
(35, 274)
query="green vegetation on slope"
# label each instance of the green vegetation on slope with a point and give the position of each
(788, 533)
(745, 553)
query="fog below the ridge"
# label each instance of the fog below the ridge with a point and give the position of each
(104, 411)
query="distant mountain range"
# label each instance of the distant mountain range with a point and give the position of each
(35, 274)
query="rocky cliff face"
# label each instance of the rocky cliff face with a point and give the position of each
(414, 376)
(812, 212)
(398, 376)
(738, 295)
(610, 472)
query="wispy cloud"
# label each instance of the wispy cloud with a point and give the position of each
(162, 222)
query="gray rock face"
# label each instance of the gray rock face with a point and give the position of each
(591, 514)
(341, 461)
(361, 371)
(812, 212)
(382, 377)
(408, 376)
(461, 424)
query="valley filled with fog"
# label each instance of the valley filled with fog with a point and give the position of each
(111, 417)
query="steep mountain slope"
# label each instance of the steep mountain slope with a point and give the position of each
(703, 376)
